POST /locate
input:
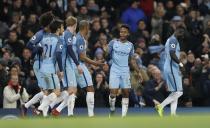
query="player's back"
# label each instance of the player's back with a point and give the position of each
(79, 46)
(120, 53)
(49, 44)
(171, 43)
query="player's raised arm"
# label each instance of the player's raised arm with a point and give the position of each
(81, 44)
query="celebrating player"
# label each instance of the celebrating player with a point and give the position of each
(69, 57)
(52, 53)
(121, 50)
(45, 20)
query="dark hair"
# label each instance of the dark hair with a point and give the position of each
(125, 26)
(46, 19)
(55, 25)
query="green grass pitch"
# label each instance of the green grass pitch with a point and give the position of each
(141, 121)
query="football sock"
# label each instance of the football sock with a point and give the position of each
(71, 103)
(112, 101)
(38, 97)
(125, 102)
(90, 103)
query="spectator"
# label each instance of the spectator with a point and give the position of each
(26, 62)
(155, 89)
(157, 20)
(13, 44)
(14, 94)
(188, 91)
(132, 15)
(83, 14)
(101, 90)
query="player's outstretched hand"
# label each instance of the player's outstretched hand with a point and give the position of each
(80, 70)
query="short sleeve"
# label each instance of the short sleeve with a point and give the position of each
(80, 43)
(59, 46)
(110, 46)
(68, 37)
(37, 37)
(172, 45)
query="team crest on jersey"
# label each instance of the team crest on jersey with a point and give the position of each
(81, 47)
(69, 40)
(34, 37)
(173, 45)
(61, 46)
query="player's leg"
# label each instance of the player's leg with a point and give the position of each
(114, 80)
(125, 85)
(174, 103)
(69, 98)
(38, 97)
(85, 80)
(53, 84)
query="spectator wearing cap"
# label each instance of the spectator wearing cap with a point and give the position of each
(14, 94)
(132, 15)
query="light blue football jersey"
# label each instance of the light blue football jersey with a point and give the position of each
(51, 44)
(120, 54)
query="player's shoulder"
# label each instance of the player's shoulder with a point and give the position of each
(113, 41)
(38, 35)
(172, 39)
(79, 38)
(68, 33)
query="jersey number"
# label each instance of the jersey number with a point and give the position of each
(46, 50)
